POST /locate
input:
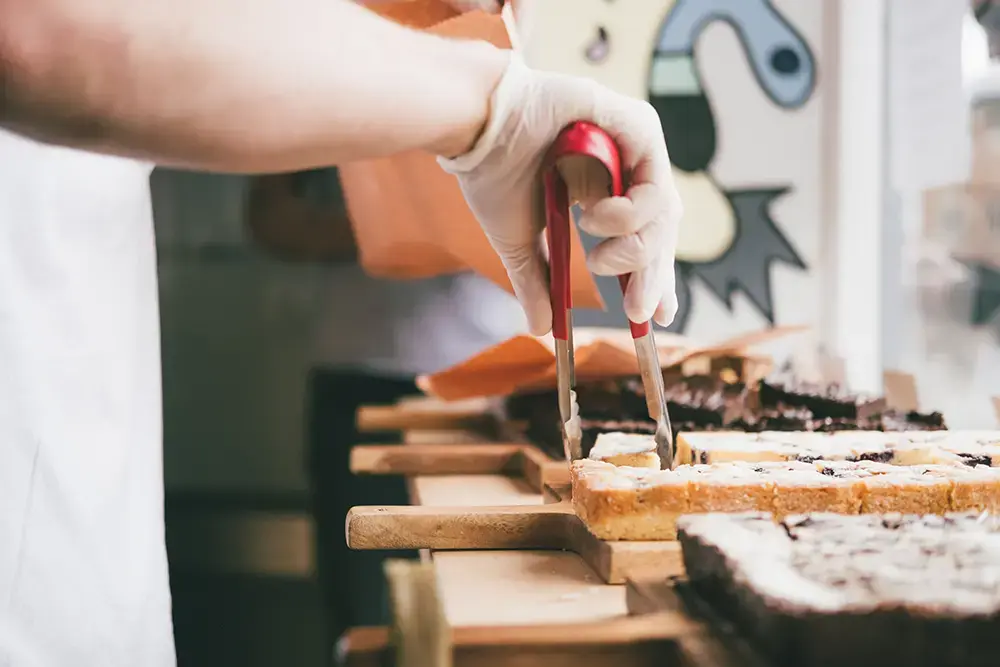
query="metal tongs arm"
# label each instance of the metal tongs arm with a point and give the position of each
(583, 139)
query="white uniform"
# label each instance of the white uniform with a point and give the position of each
(83, 567)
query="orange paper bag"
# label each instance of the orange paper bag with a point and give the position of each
(527, 363)
(409, 217)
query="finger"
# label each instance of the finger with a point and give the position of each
(646, 165)
(626, 254)
(646, 290)
(666, 311)
(638, 305)
(618, 216)
(644, 149)
(528, 276)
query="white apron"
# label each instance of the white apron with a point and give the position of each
(83, 568)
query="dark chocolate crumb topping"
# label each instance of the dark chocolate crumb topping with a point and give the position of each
(974, 460)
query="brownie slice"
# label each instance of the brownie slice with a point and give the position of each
(701, 400)
(706, 403)
(693, 403)
(895, 420)
(824, 402)
(780, 418)
(866, 591)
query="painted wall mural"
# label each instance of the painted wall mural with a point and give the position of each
(730, 239)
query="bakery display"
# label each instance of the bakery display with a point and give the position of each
(626, 503)
(867, 590)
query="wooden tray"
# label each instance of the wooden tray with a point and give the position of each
(428, 414)
(422, 637)
(525, 461)
(551, 525)
(622, 642)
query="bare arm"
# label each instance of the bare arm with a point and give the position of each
(237, 85)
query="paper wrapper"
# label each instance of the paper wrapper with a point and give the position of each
(527, 363)
(900, 391)
(409, 217)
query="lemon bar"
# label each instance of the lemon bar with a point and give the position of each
(625, 503)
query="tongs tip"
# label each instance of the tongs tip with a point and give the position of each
(573, 431)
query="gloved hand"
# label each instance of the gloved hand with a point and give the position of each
(501, 181)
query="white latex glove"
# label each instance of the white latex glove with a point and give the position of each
(501, 181)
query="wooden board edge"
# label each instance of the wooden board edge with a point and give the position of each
(616, 562)
(651, 641)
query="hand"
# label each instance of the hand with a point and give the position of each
(501, 182)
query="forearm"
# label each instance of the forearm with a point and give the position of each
(231, 85)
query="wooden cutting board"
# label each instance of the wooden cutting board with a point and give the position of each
(552, 525)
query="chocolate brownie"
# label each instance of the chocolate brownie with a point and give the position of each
(707, 403)
(824, 402)
(866, 591)
(894, 420)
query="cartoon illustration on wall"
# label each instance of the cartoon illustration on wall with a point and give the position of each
(734, 251)
(731, 240)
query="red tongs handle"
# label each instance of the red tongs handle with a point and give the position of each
(584, 139)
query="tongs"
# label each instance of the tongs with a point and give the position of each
(586, 140)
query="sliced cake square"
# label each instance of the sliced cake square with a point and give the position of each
(805, 488)
(908, 489)
(727, 487)
(624, 503)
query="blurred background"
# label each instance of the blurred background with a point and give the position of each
(840, 166)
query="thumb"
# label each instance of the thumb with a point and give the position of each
(528, 275)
